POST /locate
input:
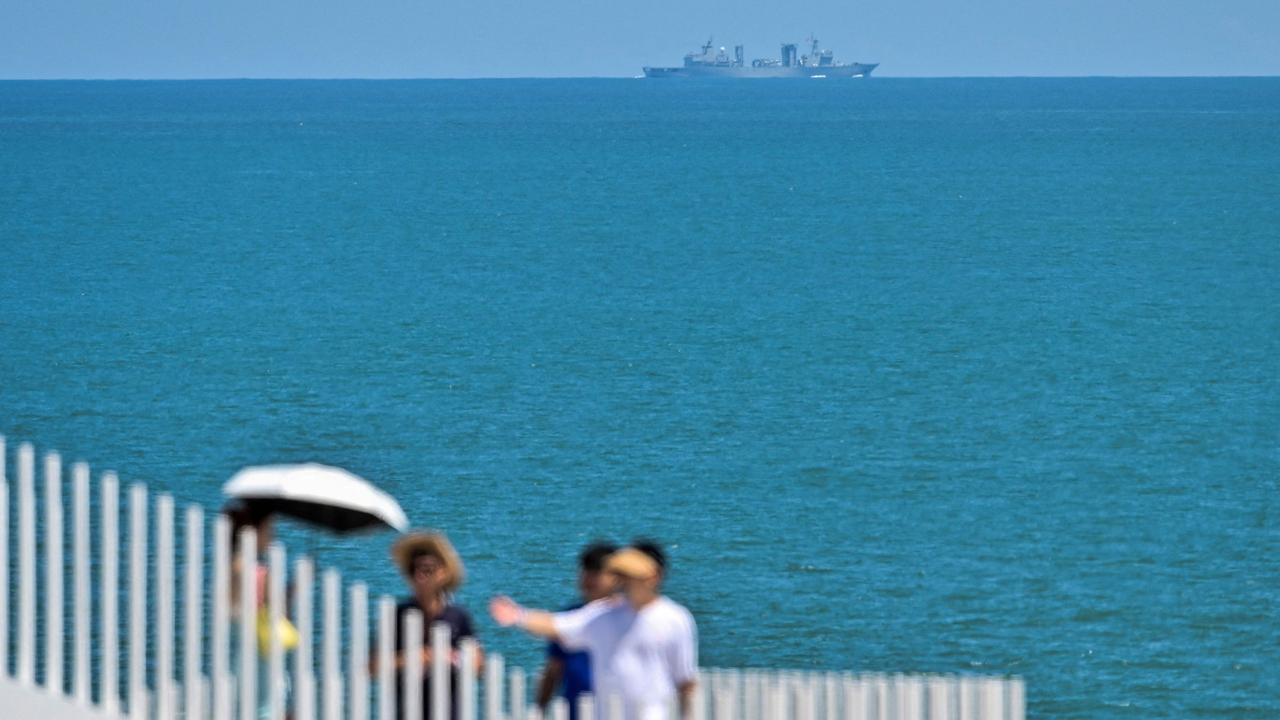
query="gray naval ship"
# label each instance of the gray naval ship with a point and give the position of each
(717, 64)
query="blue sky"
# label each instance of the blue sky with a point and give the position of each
(487, 38)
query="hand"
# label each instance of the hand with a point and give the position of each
(505, 611)
(424, 660)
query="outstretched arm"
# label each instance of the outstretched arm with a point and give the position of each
(507, 612)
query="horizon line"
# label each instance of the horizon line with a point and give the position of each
(358, 78)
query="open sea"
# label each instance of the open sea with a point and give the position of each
(962, 375)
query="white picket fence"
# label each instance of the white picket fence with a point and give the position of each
(185, 669)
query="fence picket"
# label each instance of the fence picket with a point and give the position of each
(220, 621)
(992, 699)
(968, 699)
(139, 707)
(164, 608)
(515, 686)
(855, 703)
(915, 698)
(559, 709)
(1017, 699)
(884, 697)
(192, 625)
(26, 565)
(587, 708)
(830, 696)
(53, 625)
(939, 708)
(493, 674)
(900, 700)
(330, 668)
(80, 582)
(304, 680)
(613, 707)
(411, 641)
(226, 697)
(275, 618)
(697, 704)
(108, 578)
(440, 651)
(358, 665)
(246, 684)
(778, 700)
(469, 651)
(386, 657)
(723, 700)
(752, 695)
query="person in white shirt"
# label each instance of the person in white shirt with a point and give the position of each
(643, 645)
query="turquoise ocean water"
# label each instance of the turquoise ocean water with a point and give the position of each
(911, 375)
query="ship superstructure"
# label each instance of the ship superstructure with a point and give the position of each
(712, 63)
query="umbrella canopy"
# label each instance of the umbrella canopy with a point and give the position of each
(327, 496)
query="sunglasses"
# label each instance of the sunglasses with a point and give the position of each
(427, 568)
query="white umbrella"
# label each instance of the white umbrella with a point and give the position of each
(327, 496)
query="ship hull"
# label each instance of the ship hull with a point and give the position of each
(795, 71)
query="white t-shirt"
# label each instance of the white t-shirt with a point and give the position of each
(639, 656)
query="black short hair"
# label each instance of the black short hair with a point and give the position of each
(592, 556)
(653, 550)
(242, 515)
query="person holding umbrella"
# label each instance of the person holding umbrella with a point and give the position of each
(643, 645)
(433, 571)
(330, 498)
(241, 516)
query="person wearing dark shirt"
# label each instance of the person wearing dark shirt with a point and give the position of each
(433, 570)
(571, 671)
